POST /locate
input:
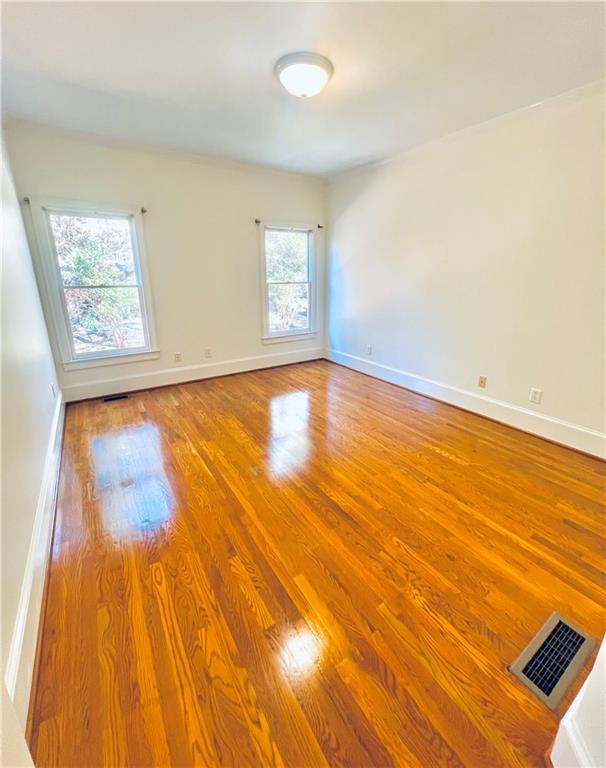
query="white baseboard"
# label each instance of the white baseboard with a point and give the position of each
(565, 432)
(579, 742)
(181, 374)
(21, 656)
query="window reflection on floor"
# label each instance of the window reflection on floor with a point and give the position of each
(289, 432)
(134, 492)
(300, 655)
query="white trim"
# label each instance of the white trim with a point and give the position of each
(21, 654)
(578, 743)
(595, 86)
(571, 748)
(294, 336)
(51, 288)
(310, 230)
(565, 432)
(36, 128)
(182, 374)
(118, 359)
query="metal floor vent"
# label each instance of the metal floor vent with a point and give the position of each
(552, 659)
(109, 398)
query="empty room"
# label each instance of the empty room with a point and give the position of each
(303, 384)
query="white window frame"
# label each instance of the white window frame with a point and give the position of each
(269, 337)
(51, 284)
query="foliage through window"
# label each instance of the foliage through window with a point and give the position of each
(287, 281)
(100, 280)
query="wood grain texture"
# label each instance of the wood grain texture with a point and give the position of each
(305, 567)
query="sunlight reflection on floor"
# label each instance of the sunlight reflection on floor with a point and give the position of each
(289, 432)
(300, 654)
(130, 479)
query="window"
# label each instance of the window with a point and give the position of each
(93, 276)
(288, 286)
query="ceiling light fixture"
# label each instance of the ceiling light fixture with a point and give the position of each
(303, 74)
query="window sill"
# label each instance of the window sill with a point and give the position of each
(289, 337)
(100, 362)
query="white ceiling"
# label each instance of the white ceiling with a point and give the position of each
(198, 76)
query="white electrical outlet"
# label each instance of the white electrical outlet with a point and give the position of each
(177, 357)
(208, 352)
(482, 382)
(369, 349)
(535, 395)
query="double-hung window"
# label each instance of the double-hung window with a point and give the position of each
(287, 281)
(95, 283)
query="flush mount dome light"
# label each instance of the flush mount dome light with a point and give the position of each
(303, 74)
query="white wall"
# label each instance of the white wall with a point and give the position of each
(31, 419)
(201, 242)
(581, 738)
(483, 254)
(13, 749)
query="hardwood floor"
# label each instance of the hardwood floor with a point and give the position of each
(306, 567)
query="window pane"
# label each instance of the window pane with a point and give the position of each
(105, 319)
(93, 250)
(288, 307)
(286, 256)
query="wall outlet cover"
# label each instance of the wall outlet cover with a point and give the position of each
(535, 395)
